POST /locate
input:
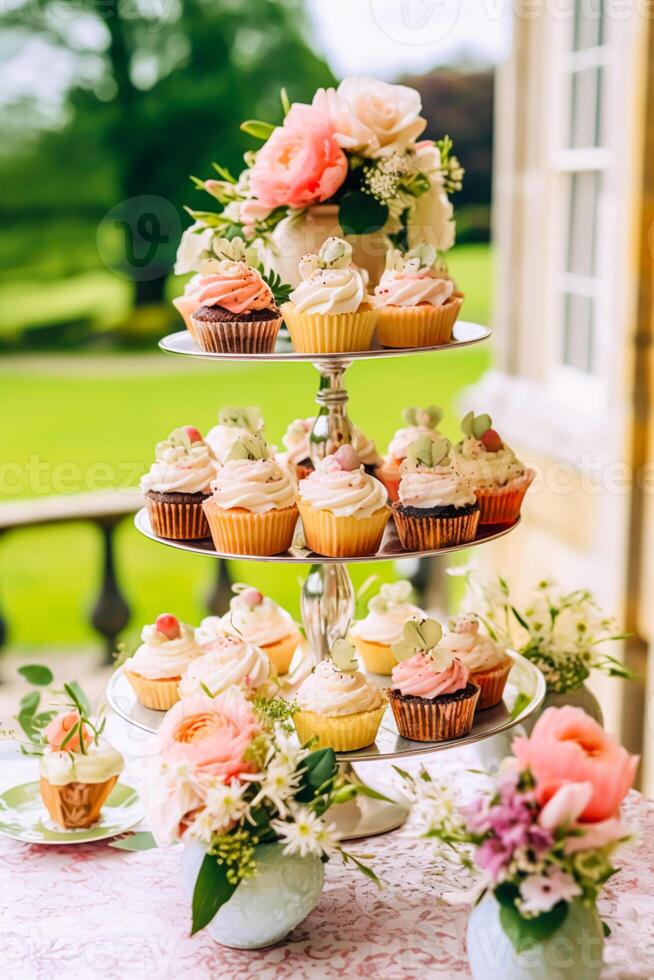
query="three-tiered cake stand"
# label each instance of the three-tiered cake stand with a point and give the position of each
(327, 600)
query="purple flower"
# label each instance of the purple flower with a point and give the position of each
(493, 857)
(475, 816)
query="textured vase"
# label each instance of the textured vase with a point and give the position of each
(578, 697)
(263, 909)
(294, 238)
(573, 952)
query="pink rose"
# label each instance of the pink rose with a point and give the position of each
(58, 729)
(564, 810)
(211, 735)
(567, 746)
(301, 163)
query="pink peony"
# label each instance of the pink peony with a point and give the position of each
(301, 163)
(567, 746)
(58, 729)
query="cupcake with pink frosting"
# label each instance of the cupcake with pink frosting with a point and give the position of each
(177, 484)
(418, 422)
(432, 696)
(416, 300)
(229, 307)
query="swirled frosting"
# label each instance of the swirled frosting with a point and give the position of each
(486, 470)
(398, 447)
(99, 763)
(262, 624)
(296, 442)
(386, 627)
(180, 469)
(438, 486)
(210, 629)
(225, 665)
(237, 287)
(346, 493)
(475, 650)
(401, 288)
(332, 692)
(330, 291)
(257, 485)
(159, 658)
(424, 676)
(189, 302)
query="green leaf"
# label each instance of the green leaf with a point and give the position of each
(210, 218)
(372, 794)
(606, 929)
(36, 674)
(212, 890)
(319, 768)
(142, 840)
(28, 704)
(80, 697)
(224, 173)
(75, 730)
(257, 128)
(520, 704)
(281, 290)
(283, 98)
(363, 868)
(525, 933)
(361, 214)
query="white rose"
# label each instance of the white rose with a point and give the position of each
(432, 215)
(374, 118)
(194, 247)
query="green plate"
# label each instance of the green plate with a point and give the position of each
(24, 817)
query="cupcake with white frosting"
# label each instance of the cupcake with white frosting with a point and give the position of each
(258, 619)
(233, 424)
(344, 511)
(210, 629)
(375, 634)
(419, 422)
(486, 660)
(416, 300)
(252, 508)
(156, 668)
(330, 311)
(177, 483)
(437, 507)
(297, 442)
(76, 778)
(338, 706)
(499, 478)
(230, 662)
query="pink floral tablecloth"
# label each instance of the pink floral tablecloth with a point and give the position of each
(97, 912)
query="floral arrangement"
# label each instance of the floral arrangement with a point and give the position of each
(232, 776)
(546, 833)
(68, 719)
(561, 632)
(356, 146)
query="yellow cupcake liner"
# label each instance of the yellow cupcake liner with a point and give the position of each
(502, 505)
(177, 521)
(342, 537)
(160, 694)
(240, 532)
(235, 336)
(281, 653)
(75, 806)
(418, 326)
(342, 733)
(378, 658)
(330, 333)
(491, 683)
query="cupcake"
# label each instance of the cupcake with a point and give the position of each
(343, 509)
(374, 635)
(432, 696)
(487, 662)
(260, 620)
(419, 422)
(437, 507)
(233, 424)
(252, 509)
(236, 312)
(338, 707)
(188, 303)
(77, 772)
(177, 483)
(230, 662)
(330, 312)
(297, 440)
(499, 478)
(417, 304)
(210, 629)
(157, 667)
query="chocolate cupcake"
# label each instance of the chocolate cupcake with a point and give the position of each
(178, 483)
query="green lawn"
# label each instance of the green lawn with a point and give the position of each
(86, 418)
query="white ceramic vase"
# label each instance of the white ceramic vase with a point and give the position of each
(293, 238)
(578, 697)
(573, 952)
(263, 909)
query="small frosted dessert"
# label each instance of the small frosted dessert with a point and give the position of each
(330, 310)
(260, 620)
(486, 660)
(297, 458)
(230, 662)
(374, 635)
(235, 310)
(77, 772)
(499, 478)
(252, 508)
(344, 510)
(210, 629)
(177, 483)
(437, 507)
(156, 668)
(432, 696)
(233, 424)
(339, 708)
(416, 302)
(419, 422)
